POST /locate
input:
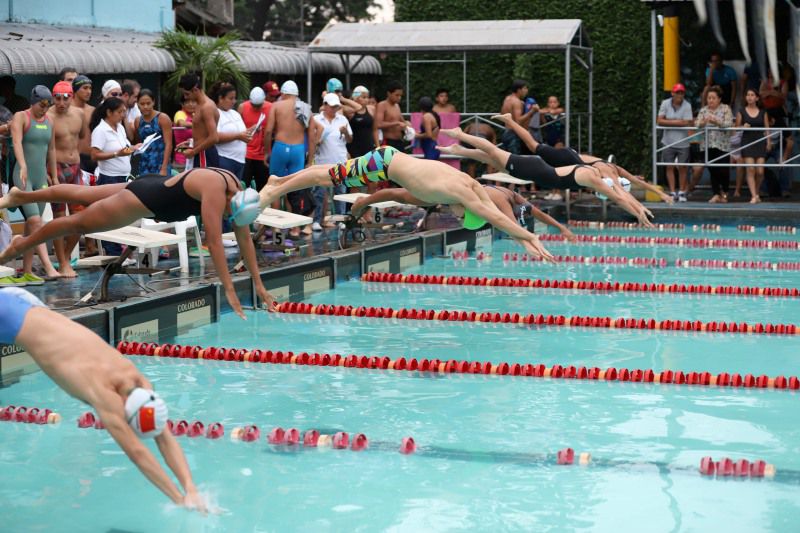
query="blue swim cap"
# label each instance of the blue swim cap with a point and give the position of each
(245, 207)
(334, 85)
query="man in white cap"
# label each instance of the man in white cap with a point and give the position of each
(331, 149)
(254, 113)
(101, 377)
(111, 89)
(289, 120)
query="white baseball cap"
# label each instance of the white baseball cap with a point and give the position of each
(290, 88)
(332, 100)
(146, 412)
(257, 96)
(109, 86)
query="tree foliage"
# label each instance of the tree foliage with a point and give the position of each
(619, 32)
(280, 20)
(215, 58)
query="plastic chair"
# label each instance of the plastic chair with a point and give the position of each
(181, 228)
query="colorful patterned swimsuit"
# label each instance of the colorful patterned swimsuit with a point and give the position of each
(370, 167)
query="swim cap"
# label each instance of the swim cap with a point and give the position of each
(473, 221)
(358, 91)
(290, 88)
(79, 81)
(146, 412)
(245, 207)
(63, 87)
(257, 96)
(334, 85)
(625, 182)
(109, 86)
(39, 93)
(409, 134)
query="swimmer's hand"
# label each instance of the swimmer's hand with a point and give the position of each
(194, 501)
(233, 301)
(667, 199)
(567, 233)
(535, 248)
(267, 300)
(642, 215)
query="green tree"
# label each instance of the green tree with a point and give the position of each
(215, 58)
(279, 20)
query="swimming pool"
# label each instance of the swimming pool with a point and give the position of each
(487, 444)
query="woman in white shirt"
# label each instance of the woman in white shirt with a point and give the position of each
(110, 146)
(233, 134)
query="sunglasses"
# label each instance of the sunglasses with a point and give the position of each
(114, 95)
(62, 96)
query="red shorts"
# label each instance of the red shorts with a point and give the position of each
(68, 174)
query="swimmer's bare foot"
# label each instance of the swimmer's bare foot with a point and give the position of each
(453, 149)
(505, 117)
(51, 274)
(265, 195)
(452, 132)
(11, 199)
(11, 251)
(66, 271)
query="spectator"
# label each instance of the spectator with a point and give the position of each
(753, 116)
(272, 91)
(389, 119)
(201, 149)
(254, 113)
(111, 148)
(443, 104)
(182, 129)
(716, 115)
(67, 74)
(11, 99)
(553, 123)
(677, 112)
(331, 149)
(130, 95)
(233, 134)
(155, 159)
(81, 95)
(34, 149)
(514, 104)
(360, 114)
(111, 89)
(721, 75)
(428, 129)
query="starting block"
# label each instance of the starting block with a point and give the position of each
(502, 177)
(354, 228)
(278, 221)
(134, 238)
(6, 271)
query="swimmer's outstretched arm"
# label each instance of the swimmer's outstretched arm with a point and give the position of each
(248, 252)
(523, 134)
(541, 216)
(590, 177)
(308, 177)
(386, 195)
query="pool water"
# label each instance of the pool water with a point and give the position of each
(487, 443)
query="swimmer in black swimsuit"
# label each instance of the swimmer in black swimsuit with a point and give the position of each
(512, 204)
(208, 192)
(534, 168)
(562, 157)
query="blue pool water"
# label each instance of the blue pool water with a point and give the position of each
(482, 463)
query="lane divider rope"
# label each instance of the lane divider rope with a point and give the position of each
(28, 415)
(635, 226)
(606, 286)
(677, 377)
(675, 241)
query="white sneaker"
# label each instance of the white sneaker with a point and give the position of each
(681, 196)
(556, 197)
(316, 227)
(229, 243)
(548, 196)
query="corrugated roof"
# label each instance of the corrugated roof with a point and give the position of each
(455, 36)
(44, 49)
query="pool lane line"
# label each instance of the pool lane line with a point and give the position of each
(28, 415)
(649, 262)
(688, 242)
(635, 226)
(444, 315)
(602, 286)
(455, 366)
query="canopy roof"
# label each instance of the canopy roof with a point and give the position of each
(452, 36)
(45, 49)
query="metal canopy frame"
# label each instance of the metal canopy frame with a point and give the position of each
(570, 39)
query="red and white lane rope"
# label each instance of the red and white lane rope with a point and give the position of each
(603, 286)
(677, 377)
(635, 226)
(676, 241)
(28, 415)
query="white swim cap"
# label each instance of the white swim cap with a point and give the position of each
(245, 207)
(358, 91)
(257, 96)
(409, 134)
(290, 87)
(146, 412)
(625, 182)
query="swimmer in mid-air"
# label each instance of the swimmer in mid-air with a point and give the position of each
(431, 182)
(100, 376)
(512, 204)
(534, 168)
(207, 192)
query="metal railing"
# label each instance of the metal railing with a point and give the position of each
(699, 133)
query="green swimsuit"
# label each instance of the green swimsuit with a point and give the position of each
(35, 143)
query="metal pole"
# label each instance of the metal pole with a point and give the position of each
(653, 90)
(347, 74)
(302, 23)
(591, 93)
(567, 83)
(408, 83)
(308, 78)
(464, 81)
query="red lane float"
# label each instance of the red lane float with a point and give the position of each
(648, 262)
(745, 265)
(591, 224)
(726, 467)
(28, 415)
(454, 366)
(606, 286)
(675, 241)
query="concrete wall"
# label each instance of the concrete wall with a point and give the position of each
(141, 15)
